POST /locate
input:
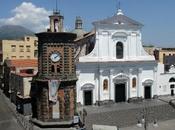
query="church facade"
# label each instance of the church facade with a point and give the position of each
(118, 68)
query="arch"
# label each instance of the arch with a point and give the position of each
(119, 50)
(53, 69)
(121, 77)
(88, 86)
(172, 79)
(147, 82)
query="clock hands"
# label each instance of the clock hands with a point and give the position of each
(56, 56)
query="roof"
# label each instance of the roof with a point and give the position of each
(22, 63)
(79, 32)
(119, 19)
(25, 75)
(85, 35)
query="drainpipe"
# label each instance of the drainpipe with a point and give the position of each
(98, 71)
(99, 85)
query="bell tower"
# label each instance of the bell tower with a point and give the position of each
(53, 90)
(56, 22)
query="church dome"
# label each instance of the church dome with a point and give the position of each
(78, 27)
(79, 32)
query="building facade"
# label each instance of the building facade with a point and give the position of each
(161, 53)
(13, 69)
(118, 68)
(19, 49)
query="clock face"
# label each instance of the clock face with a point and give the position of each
(55, 57)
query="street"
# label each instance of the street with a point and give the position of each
(7, 119)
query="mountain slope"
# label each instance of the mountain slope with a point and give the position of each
(10, 32)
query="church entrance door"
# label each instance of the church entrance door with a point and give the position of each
(120, 92)
(87, 97)
(147, 92)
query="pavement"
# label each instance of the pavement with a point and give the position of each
(162, 125)
(124, 115)
(166, 98)
(7, 117)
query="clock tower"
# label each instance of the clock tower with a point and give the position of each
(53, 89)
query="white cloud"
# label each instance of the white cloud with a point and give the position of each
(29, 16)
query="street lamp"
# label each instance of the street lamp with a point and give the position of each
(145, 119)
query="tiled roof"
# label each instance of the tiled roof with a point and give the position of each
(22, 63)
(25, 75)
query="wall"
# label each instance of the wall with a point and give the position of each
(7, 49)
(95, 74)
(163, 84)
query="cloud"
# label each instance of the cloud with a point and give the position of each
(29, 16)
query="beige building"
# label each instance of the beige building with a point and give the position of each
(26, 48)
(160, 54)
(149, 49)
(19, 49)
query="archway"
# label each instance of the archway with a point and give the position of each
(87, 93)
(172, 85)
(148, 88)
(120, 87)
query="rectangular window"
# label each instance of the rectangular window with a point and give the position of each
(21, 48)
(28, 57)
(13, 57)
(13, 48)
(28, 48)
(36, 53)
(21, 57)
(35, 43)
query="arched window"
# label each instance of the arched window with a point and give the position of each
(172, 80)
(105, 85)
(53, 68)
(58, 69)
(134, 82)
(119, 50)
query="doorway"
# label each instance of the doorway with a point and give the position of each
(120, 92)
(87, 97)
(172, 92)
(172, 89)
(147, 92)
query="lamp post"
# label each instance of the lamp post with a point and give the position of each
(146, 115)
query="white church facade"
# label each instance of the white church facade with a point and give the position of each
(118, 68)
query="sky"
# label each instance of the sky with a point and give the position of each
(157, 16)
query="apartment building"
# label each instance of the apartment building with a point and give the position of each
(17, 82)
(26, 48)
(160, 54)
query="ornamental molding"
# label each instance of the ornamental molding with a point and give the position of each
(88, 86)
(121, 77)
(147, 82)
